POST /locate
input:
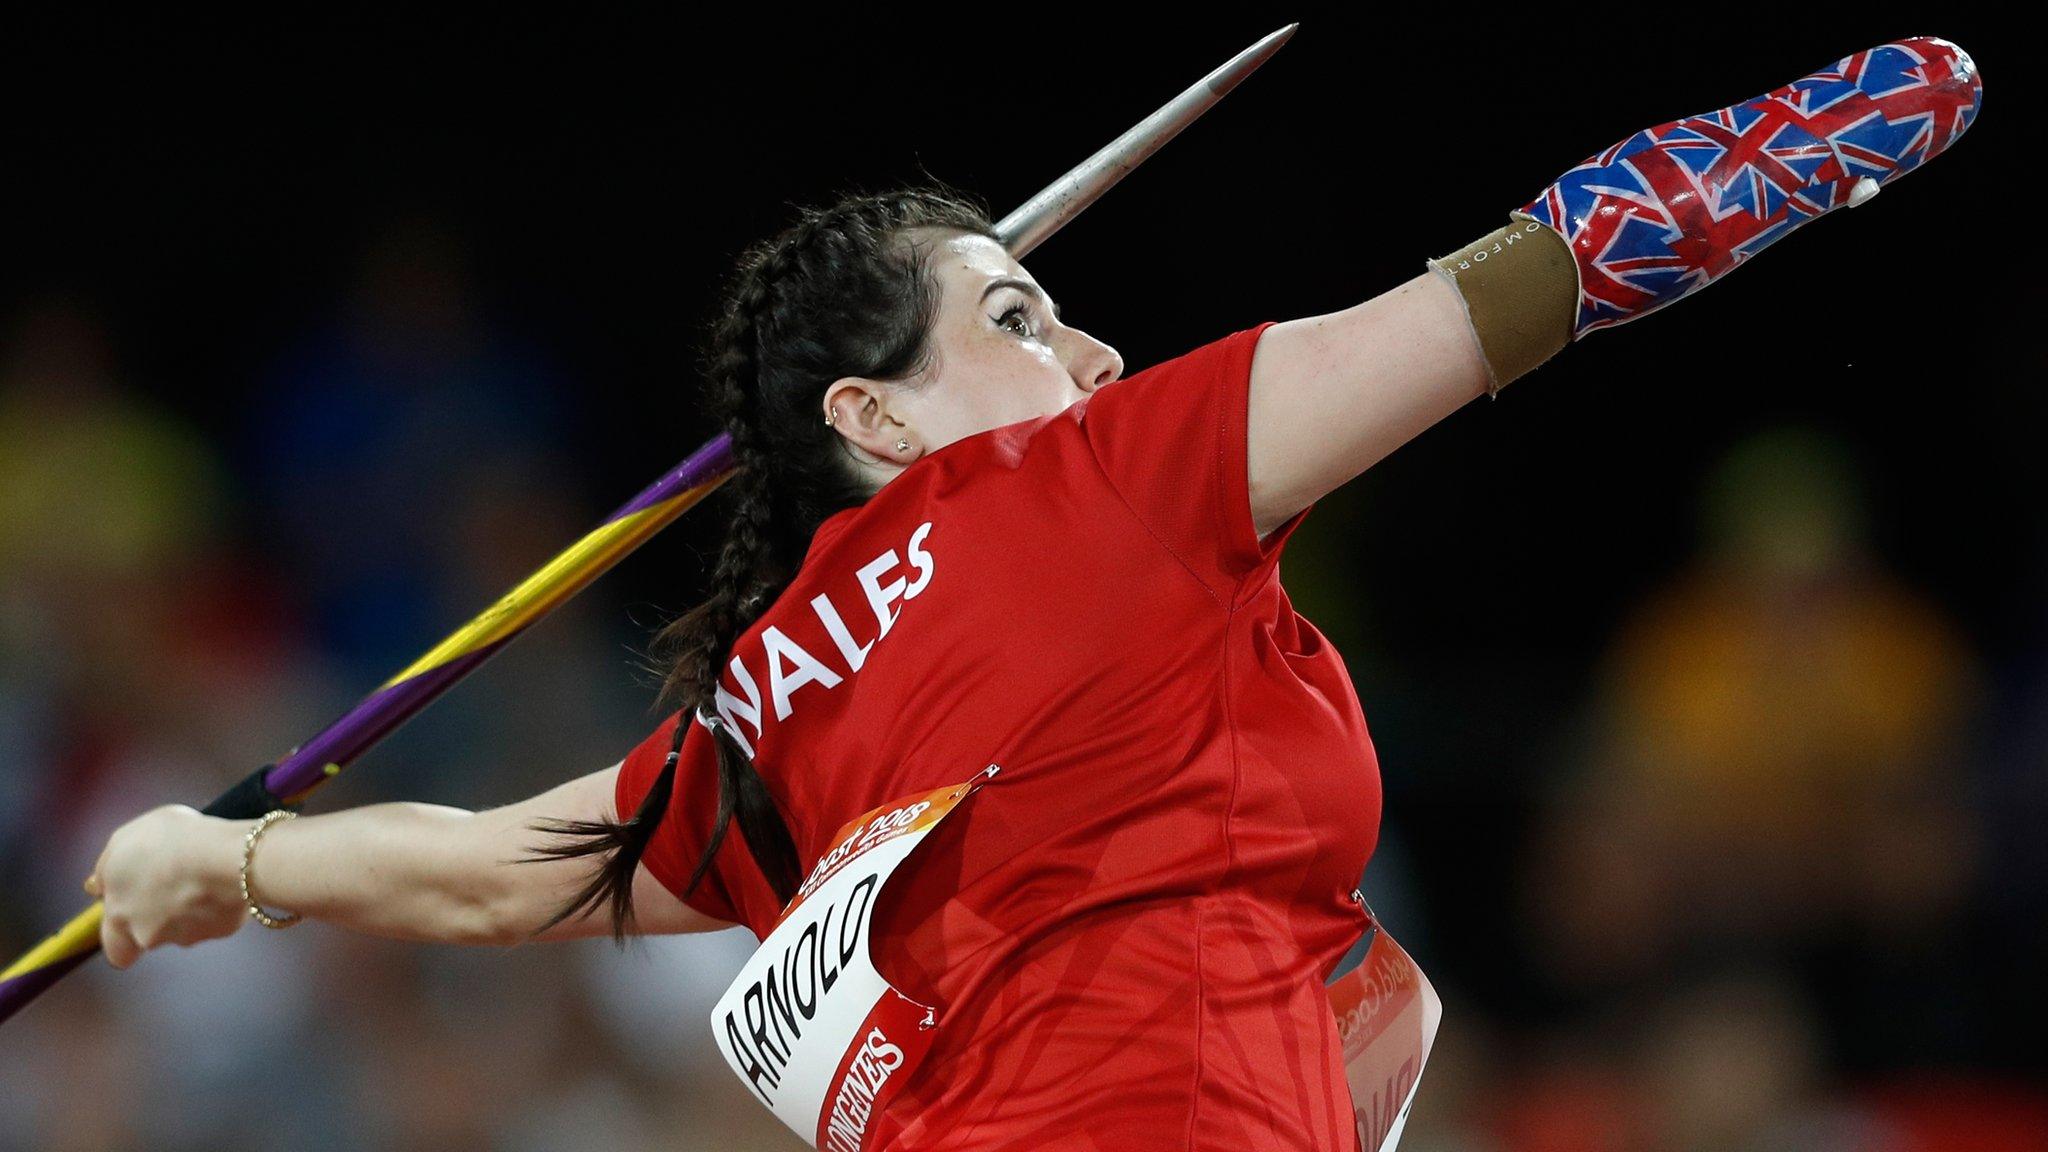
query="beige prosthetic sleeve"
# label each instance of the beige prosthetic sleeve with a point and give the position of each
(1521, 291)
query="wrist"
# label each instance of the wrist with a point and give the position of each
(220, 861)
(252, 900)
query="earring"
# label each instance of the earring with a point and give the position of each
(903, 445)
(829, 417)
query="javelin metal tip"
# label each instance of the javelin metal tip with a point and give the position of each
(1062, 200)
(1248, 61)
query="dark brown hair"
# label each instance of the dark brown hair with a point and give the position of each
(842, 292)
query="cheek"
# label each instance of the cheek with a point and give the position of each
(1017, 381)
(1044, 378)
(1044, 390)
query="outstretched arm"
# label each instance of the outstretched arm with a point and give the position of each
(1333, 395)
(1626, 232)
(404, 870)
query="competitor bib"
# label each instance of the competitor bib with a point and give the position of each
(809, 1025)
(818, 1035)
(1387, 1014)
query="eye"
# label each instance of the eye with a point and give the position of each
(1019, 310)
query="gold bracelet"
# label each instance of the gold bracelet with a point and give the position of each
(248, 854)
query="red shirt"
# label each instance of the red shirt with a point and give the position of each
(1126, 932)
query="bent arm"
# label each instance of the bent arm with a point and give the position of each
(1333, 395)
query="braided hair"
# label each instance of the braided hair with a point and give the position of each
(847, 290)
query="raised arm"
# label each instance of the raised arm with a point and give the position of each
(1333, 395)
(1626, 232)
(404, 870)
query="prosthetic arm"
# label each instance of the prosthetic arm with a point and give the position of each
(1671, 209)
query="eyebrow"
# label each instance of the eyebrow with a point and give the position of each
(1024, 286)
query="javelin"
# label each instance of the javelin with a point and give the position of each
(313, 763)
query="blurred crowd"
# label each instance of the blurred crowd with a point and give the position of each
(1781, 884)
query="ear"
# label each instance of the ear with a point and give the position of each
(860, 410)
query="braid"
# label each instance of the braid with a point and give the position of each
(737, 581)
(838, 293)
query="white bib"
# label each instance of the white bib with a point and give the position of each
(809, 1025)
(1387, 1014)
(818, 1035)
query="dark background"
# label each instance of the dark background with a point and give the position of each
(207, 197)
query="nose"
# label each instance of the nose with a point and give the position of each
(1093, 363)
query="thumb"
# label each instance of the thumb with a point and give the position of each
(94, 886)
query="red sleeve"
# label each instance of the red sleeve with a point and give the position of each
(1173, 441)
(685, 828)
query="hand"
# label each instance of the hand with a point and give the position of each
(170, 876)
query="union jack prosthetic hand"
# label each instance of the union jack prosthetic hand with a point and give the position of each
(1672, 209)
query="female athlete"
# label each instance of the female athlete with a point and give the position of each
(963, 537)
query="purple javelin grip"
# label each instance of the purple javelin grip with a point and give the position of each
(1671, 209)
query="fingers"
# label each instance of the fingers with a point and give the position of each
(148, 896)
(118, 942)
